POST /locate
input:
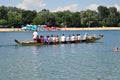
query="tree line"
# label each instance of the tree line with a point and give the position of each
(16, 17)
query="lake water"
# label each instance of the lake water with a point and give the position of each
(85, 61)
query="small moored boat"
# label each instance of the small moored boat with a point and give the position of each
(89, 40)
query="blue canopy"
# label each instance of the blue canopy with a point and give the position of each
(33, 27)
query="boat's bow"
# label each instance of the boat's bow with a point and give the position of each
(93, 39)
(100, 36)
(18, 42)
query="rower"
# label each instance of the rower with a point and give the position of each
(56, 38)
(42, 39)
(62, 39)
(35, 34)
(85, 36)
(48, 39)
(38, 39)
(79, 37)
(68, 39)
(73, 38)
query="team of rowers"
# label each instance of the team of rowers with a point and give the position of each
(56, 38)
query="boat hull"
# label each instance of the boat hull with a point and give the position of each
(40, 44)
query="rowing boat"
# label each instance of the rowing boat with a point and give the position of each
(40, 44)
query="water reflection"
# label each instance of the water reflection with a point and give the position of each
(35, 62)
(34, 50)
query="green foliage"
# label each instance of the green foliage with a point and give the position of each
(103, 12)
(108, 16)
(3, 12)
(118, 24)
(112, 20)
(28, 16)
(59, 18)
(89, 18)
(16, 17)
(76, 21)
(3, 22)
(38, 20)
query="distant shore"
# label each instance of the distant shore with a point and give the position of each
(10, 29)
(96, 28)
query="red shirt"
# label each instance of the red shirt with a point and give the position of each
(42, 39)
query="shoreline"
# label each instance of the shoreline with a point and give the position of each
(10, 29)
(63, 29)
(96, 28)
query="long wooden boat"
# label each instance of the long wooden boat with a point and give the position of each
(40, 44)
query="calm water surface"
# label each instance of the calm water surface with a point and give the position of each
(92, 61)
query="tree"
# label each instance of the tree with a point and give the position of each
(76, 22)
(51, 20)
(45, 17)
(38, 20)
(59, 18)
(89, 18)
(113, 10)
(13, 16)
(3, 12)
(14, 19)
(3, 22)
(103, 12)
(113, 17)
(119, 19)
(112, 20)
(67, 18)
(108, 16)
(28, 16)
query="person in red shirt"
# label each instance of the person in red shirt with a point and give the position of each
(42, 39)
